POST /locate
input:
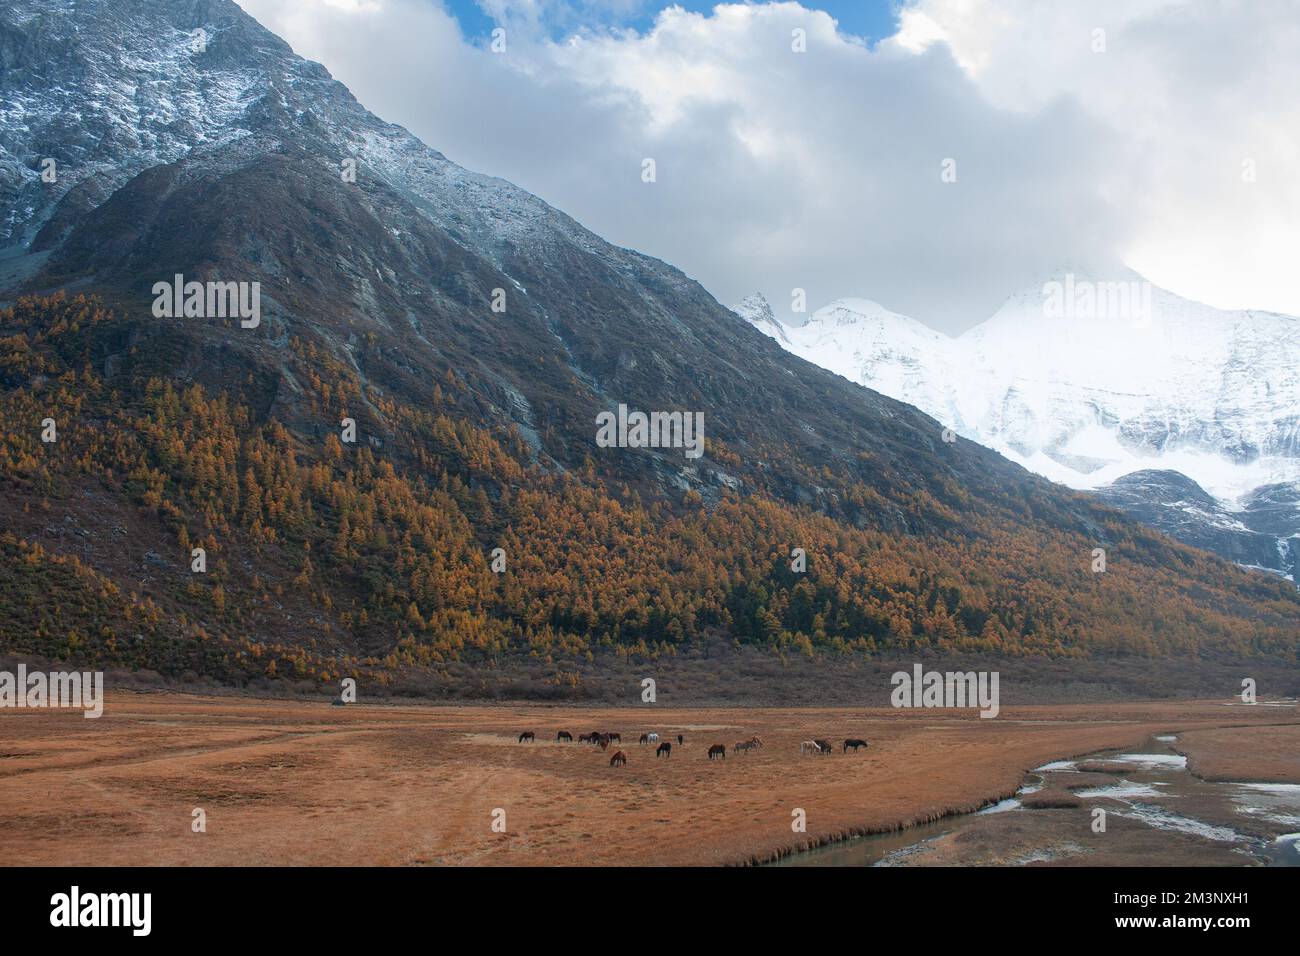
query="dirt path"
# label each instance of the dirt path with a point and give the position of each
(305, 783)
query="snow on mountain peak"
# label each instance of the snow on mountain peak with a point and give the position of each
(757, 311)
(1085, 380)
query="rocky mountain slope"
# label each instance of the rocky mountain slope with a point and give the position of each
(472, 334)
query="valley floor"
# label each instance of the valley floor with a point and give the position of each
(293, 782)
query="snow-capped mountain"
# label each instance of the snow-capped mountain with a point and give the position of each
(757, 312)
(98, 91)
(188, 140)
(1087, 381)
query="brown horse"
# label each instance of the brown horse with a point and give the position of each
(665, 750)
(825, 746)
(855, 743)
(615, 738)
(618, 760)
(526, 735)
(603, 740)
(645, 738)
(564, 735)
(718, 750)
(584, 738)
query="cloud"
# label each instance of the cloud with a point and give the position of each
(1198, 97)
(821, 170)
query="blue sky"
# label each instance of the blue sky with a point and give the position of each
(870, 19)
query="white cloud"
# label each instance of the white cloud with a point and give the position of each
(1192, 90)
(821, 170)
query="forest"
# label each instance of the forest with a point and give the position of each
(323, 558)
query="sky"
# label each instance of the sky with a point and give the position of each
(936, 156)
(869, 19)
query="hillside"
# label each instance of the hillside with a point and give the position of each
(475, 428)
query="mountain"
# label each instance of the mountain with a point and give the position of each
(1100, 395)
(757, 312)
(394, 466)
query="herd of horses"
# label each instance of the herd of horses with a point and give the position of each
(603, 739)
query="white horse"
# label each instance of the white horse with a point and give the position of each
(652, 738)
(810, 747)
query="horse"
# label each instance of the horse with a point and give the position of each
(665, 750)
(564, 735)
(718, 750)
(681, 741)
(645, 739)
(615, 738)
(618, 760)
(603, 740)
(824, 747)
(756, 740)
(809, 746)
(584, 738)
(526, 735)
(652, 738)
(743, 747)
(855, 743)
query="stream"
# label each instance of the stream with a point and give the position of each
(1154, 812)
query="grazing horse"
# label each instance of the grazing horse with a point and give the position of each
(584, 738)
(615, 738)
(824, 747)
(809, 747)
(645, 739)
(652, 738)
(564, 735)
(526, 735)
(855, 743)
(743, 747)
(618, 760)
(665, 750)
(718, 750)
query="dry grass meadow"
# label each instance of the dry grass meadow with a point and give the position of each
(294, 782)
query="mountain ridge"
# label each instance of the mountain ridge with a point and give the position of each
(1086, 399)
(475, 428)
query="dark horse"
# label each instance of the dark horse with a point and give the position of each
(718, 750)
(855, 744)
(825, 745)
(603, 740)
(681, 741)
(526, 735)
(645, 738)
(564, 735)
(584, 738)
(615, 738)
(665, 750)
(618, 760)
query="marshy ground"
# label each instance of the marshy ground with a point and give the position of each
(296, 782)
